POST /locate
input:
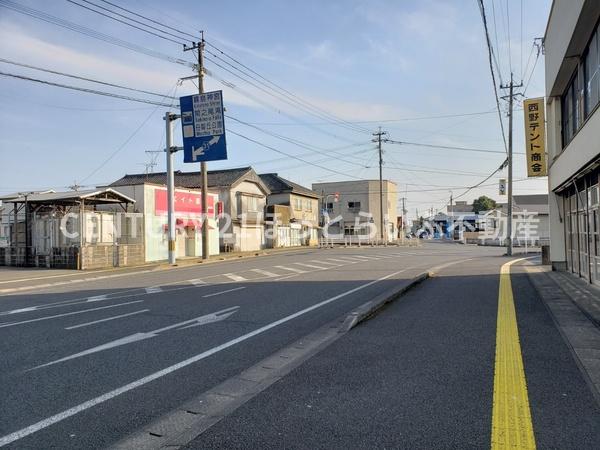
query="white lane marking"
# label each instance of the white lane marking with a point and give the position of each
(266, 273)
(324, 262)
(97, 298)
(351, 259)
(106, 320)
(56, 316)
(291, 269)
(234, 277)
(18, 311)
(384, 256)
(45, 423)
(341, 260)
(153, 290)
(364, 257)
(197, 282)
(224, 292)
(311, 266)
(202, 320)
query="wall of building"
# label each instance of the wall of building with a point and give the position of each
(367, 193)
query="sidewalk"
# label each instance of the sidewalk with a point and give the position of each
(420, 374)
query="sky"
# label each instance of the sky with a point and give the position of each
(354, 64)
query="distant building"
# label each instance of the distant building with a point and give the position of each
(241, 196)
(353, 208)
(572, 59)
(70, 230)
(292, 213)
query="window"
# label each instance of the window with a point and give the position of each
(353, 206)
(249, 203)
(329, 206)
(298, 204)
(582, 95)
(309, 205)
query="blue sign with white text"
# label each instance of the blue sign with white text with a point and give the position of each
(203, 127)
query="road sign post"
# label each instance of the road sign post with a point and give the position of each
(203, 130)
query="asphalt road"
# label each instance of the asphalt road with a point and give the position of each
(85, 364)
(420, 375)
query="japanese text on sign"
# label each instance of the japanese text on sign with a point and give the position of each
(535, 137)
(208, 114)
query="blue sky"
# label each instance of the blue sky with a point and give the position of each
(371, 61)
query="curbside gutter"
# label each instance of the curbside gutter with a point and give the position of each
(184, 424)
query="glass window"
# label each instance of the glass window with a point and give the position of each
(298, 204)
(592, 76)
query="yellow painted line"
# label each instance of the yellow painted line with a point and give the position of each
(511, 416)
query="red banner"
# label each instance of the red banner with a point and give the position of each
(186, 203)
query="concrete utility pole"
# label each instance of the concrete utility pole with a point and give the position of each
(511, 96)
(203, 166)
(169, 117)
(377, 139)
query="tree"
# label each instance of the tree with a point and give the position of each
(483, 203)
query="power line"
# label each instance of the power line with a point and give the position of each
(298, 99)
(151, 20)
(123, 22)
(48, 18)
(89, 91)
(446, 147)
(292, 156)
(77, 77)
(317, 150)
(131, 136)
(490, 53)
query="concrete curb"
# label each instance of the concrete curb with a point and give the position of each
(181, 426)
(372, 307)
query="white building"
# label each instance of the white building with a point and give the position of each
(354, 206)
(572, 44)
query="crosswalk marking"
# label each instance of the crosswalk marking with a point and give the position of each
(266, 273)
(311, 266)
(341, 260)
(235, 277)
(291, 269)
(324, 262)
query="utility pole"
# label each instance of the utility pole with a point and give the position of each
(377, 139)
(203, 167)
(169, 149)
(403, 216)
(511, 95)
(451, 214)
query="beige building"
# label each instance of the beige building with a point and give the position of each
(242, 198)
(293, 212)
(572, 44)
(353, 208)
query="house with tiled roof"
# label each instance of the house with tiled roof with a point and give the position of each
(294, 212)
(237, 198)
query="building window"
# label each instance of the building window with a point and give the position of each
(309, 205)
(298, 204)
(354, 206)
(592, 75)
(249, 204)
(582, 95)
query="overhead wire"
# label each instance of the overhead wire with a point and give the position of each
(490, 53)
(48, 18)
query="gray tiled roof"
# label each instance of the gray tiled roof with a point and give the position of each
(277, 184)
(190, 180)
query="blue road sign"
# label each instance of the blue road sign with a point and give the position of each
(203, 127)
